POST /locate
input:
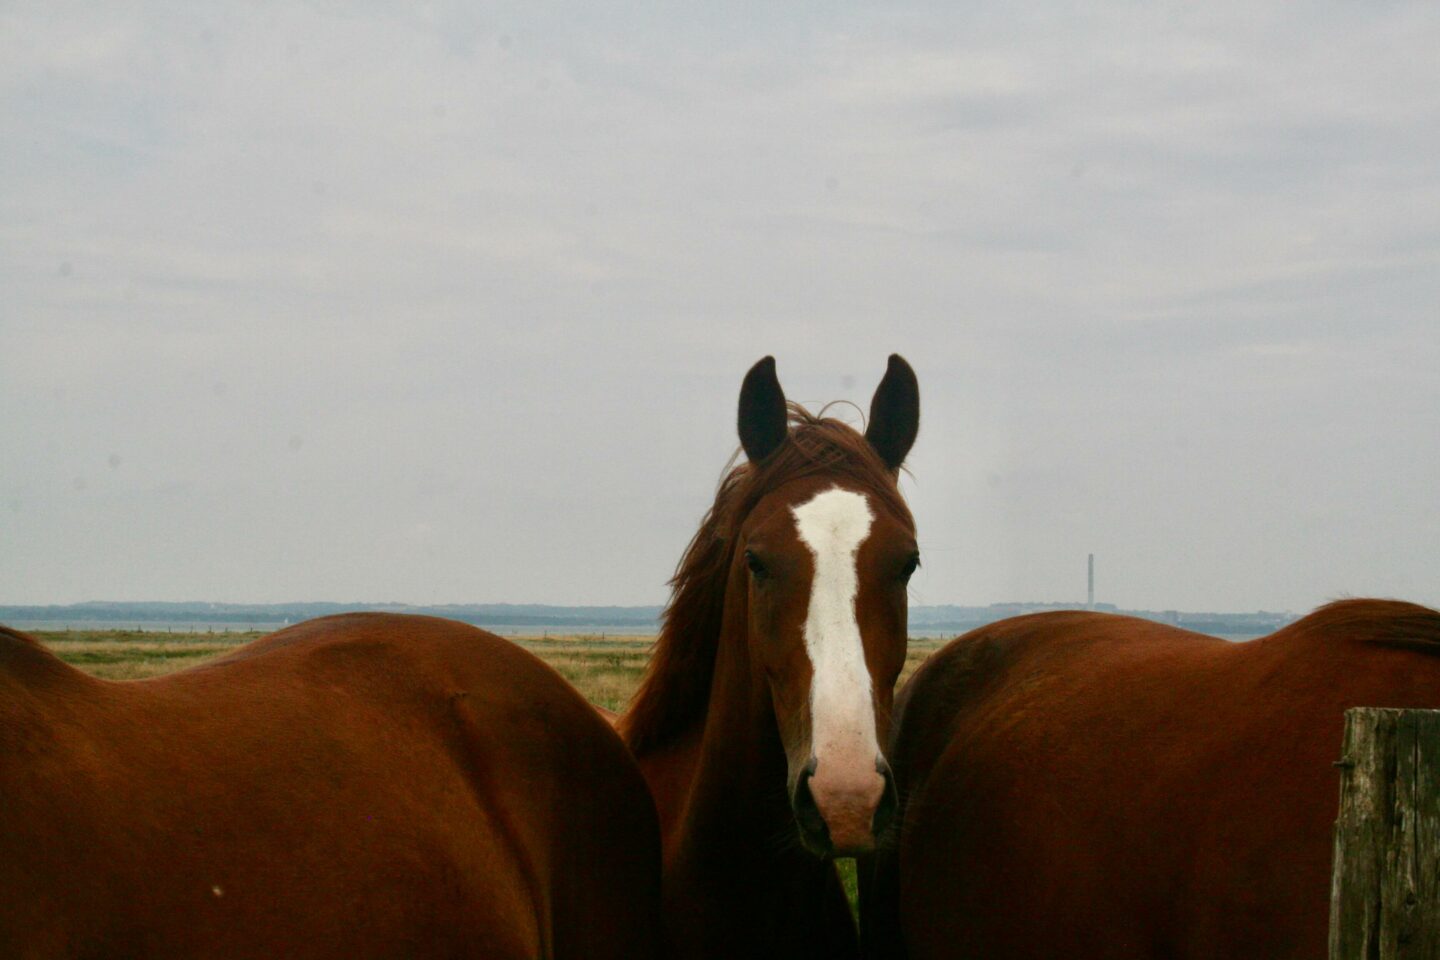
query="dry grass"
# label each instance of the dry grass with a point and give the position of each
(604, 668)
(137, 654)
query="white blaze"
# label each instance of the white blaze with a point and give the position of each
(833, 524)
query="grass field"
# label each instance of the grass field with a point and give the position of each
(605, 669)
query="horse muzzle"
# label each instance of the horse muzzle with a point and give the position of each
(840, 811)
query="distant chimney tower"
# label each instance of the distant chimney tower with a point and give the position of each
(1090, 593)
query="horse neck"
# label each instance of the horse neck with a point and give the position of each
(741, 762)
(738, 817)
(739, 881)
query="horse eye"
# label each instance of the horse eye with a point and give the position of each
(756, 566)
(909, 568)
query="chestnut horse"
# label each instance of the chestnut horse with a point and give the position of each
(364, 785)
(1089, 785)
(759, 722)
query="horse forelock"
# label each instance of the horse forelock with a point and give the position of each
(675, 691)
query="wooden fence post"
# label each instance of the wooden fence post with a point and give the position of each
(1385, 884)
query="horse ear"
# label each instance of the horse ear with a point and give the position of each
(895, 413)
(763, 423)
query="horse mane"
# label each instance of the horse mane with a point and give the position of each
(1388, 623)
(675, 691)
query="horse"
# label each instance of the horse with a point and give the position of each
(1091, 785)
(759, 720)
(362, 785)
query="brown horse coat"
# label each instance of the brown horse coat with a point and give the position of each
(365, 785)
(1088, 785)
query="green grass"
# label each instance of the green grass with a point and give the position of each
(845, 866)
(137, 654)
(605, 669)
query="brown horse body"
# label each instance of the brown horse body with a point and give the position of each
(761, 754)
(1088, 785)
(365, 785)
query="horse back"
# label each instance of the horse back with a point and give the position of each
(1105, 786)
(362, 785)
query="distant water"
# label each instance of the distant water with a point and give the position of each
(266, 626)
(921, 633)
(506, 630)
(150, 626)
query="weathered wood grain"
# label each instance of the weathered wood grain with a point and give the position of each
(1385, 888)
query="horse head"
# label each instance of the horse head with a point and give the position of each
(822, 559)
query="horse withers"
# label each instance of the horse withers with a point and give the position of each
(365, 785)
(1089, 785)
(760, 720)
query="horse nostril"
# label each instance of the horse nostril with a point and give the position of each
(813, 829)
(889, 799)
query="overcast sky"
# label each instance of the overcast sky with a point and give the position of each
(420, 303)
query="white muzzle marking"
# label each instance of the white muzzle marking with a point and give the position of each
(846, 785)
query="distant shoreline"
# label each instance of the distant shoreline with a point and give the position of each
(536, 619)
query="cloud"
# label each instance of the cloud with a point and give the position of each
(1168, 276)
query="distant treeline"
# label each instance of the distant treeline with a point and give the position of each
(962, 618)
(948, 617)
(480, 614)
